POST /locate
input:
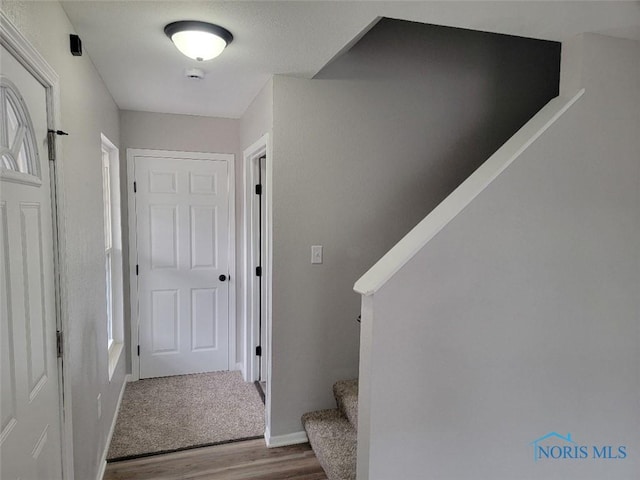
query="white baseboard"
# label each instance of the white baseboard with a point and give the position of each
(103, 468)
(284, 440)
(240, 366)
(103, 460)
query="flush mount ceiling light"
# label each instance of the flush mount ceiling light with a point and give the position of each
(198, 40)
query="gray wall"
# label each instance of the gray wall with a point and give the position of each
(258, 118)
(87, 111)
(188, 133)
(256, 121)
(520, 317)
(360, 155)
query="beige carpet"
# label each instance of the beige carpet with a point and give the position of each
(159, 415)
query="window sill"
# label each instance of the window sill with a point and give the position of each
(114, 356)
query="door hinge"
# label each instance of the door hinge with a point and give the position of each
(137, 270)
(258, 271)
(51, 143)
(59, 343)
(138, 350)
(258, 189)
(135, 187)
(259, 351)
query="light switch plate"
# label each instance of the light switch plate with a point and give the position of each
(316, 254)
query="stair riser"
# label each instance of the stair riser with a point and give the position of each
(333, 441)
(346, 395)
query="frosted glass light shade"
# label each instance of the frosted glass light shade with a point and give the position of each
(199, 45)
(198, 40)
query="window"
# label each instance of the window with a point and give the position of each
(112, 252)
(18, 147)
(108, 242)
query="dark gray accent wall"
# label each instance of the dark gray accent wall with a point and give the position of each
(507, 79)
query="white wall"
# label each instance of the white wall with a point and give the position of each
(360, 155)
(87, 110)
(520, 317)
(188, 133)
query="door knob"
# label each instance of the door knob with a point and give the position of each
(222, 278)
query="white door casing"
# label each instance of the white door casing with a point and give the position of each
(182, 223)
(30, 409)
(256, 293)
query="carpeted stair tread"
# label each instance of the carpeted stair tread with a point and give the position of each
(346, 393)
(333, 440)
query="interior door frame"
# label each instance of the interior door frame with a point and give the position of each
(250, 295)
(26, 54)
(134, 316)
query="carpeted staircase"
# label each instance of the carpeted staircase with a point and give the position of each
(332, 433)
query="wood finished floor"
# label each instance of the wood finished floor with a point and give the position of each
(233, 461)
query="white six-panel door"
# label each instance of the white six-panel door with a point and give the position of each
(182, 224)
(29, 408)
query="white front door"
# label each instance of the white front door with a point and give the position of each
(30, 437)
(182, 224)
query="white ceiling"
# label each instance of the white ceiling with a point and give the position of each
(144, 71)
